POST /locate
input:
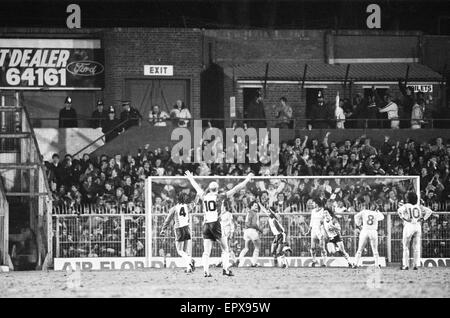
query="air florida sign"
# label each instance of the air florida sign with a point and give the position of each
(51, 63)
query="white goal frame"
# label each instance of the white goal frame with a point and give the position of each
(148, 197)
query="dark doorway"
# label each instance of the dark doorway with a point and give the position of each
(250, 94)
(212, 95)
(23, 247)
(146, 93)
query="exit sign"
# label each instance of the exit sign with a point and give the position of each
(158, 70)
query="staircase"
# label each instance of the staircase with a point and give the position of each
(137, 137)
(26, 191)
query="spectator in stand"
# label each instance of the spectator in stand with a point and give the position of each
(68, 115)
(55, 170)
(357, 112)
(255, 111)
(349, 113)
(158, 117)
(321, 116)
(407, 100)
(130, 116)
(180, 114)
(391, 109)
(284, 114)
(99, 116)
(111, 126)
(417, 114)
(339, 113)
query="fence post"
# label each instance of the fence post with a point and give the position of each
(389, 237)
(57, 236)
(148, 221)
(122, 235)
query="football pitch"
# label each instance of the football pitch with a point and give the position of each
(247, 282)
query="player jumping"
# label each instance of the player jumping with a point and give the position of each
(317, 233)
(212, 230)
(369, 220)
(251, 234)
(280, 247)
(183, 243)
(412, 215)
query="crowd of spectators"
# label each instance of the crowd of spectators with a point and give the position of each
(118, 181)
(377, 109)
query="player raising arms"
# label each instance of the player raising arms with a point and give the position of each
(317, 233)
(180, 214)
(280, 247)
(212, 230)
(369, 220)
(412, 214)
(333, 231)
(251, 234)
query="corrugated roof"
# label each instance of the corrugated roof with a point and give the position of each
(333, 72)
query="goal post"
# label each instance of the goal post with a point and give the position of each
(290, 195)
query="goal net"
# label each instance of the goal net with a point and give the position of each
(290, 197)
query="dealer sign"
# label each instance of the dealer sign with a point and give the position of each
(51, 63)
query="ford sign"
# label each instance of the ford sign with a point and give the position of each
(85, 68)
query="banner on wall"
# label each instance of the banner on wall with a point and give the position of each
(132, 263)
(51, 64)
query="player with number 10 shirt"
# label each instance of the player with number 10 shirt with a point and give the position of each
(212, 231)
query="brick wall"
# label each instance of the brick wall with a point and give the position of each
(128, 49)
(247, 46)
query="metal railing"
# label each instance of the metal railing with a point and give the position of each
(99, 235)
(237, 207)
(124, 235)
(294, 123)
(4, 226)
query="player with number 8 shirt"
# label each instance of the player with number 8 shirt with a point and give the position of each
(368, 219)
(212, 230)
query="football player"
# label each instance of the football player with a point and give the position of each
(251, 234)
(333, 231)
(180, 215)
(318, 238)
(412, 215)
(368, 219)
(212, 230)
(280, 247)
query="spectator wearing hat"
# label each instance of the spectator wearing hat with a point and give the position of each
(111, 125)
(391, 109)
(130, 116)
(99, 116)
(68, 115)
(321, 115)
